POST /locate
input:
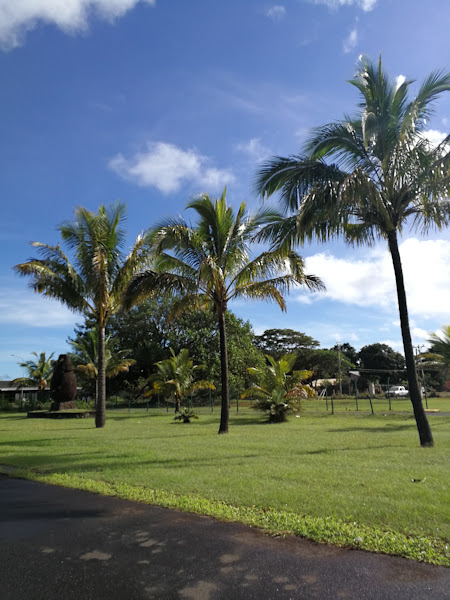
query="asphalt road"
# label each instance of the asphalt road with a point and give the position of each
(62, 544)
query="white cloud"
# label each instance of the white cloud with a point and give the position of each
(367, 280)
(350, 41)
(255, 150)
(417, 332)
(434, 137)
(400, 80)
(17, 17)
(31, 310)
(276, 12)
(396, 345)
(365, 5)
(167, 167)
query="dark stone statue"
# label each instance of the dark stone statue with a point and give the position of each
(63, 387)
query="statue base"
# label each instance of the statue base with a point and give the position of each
(62, 406)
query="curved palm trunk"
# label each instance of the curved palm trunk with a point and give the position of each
(225, 410)
(423, 427)
(100, 411)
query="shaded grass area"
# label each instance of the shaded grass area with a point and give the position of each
(355, 480)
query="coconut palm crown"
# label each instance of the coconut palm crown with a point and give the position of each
(94, 281)
(85, 356)
(210, 264)
(280, 388)
(39, 372)
(176, 377)
(438, 356)
(364, 178)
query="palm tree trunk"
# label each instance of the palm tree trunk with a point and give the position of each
(423, 427)
(225, 411)
(100, 412)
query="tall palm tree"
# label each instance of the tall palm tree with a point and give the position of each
(39, 372)
(385, 173)
(94, 282)
(210, 265)
(176, 377)
(85, 357)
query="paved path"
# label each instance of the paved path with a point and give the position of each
(61, 544)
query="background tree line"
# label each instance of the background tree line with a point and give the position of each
(146, 335)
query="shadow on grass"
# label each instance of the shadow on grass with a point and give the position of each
(39, 442)
(387, 428)
(236, 420)
(48, 463)
(347, 449)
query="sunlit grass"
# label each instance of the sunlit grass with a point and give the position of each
(363, 469)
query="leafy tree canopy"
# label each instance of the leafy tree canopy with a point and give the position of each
(279, 342)
(383, 358)
(147, 330)
(324, 363)
(348, 351)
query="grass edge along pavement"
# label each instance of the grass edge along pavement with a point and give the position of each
(275, 522)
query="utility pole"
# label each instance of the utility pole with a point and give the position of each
(339, 367)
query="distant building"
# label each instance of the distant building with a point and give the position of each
(20, 395)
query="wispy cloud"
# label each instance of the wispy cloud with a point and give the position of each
(260, 99)
(351, 40)
(365, 5)
(276, 12)
(31, 310)
(368, 281)
(254, 149)
(17, 17)
(167, 167)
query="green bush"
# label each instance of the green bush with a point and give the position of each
(185, 415)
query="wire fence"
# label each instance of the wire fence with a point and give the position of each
(325, 404)
(211, 402)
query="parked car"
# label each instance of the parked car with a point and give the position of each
(396, 391)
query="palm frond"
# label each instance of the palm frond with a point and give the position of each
(421, 108)
(147, 283)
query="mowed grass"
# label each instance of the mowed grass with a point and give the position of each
(357, 469)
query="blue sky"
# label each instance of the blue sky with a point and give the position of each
(152, 102)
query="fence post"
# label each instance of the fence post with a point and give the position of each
(389, 394)
(356, 395)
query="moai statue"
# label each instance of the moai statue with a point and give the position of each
(63, 387)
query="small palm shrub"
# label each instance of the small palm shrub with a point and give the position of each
(281, 390)
(277, 405)
(185, 415)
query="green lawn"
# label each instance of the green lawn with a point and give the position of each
(348, 478)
